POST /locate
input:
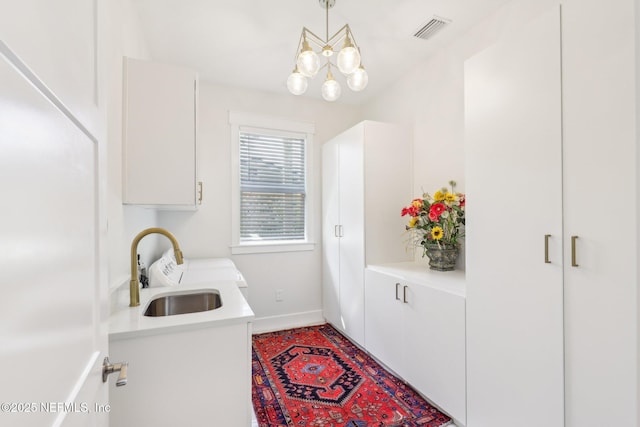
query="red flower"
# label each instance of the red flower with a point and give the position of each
(462, 200)
(436, 210)
(411, 210)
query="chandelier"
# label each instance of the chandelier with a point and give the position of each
(308, 62)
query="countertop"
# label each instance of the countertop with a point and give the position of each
(128, 322)
(419, 273)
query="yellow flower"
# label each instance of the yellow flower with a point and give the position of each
(416, 203)
(449, 197)
(413, 221)
(439, 196)
(437, 233)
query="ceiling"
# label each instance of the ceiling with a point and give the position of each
(252, 43)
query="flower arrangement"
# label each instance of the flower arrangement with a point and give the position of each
(438, 219)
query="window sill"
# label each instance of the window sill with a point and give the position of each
(262, 248)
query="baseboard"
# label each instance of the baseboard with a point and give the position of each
(287, 321)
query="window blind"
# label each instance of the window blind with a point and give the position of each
(272, 187)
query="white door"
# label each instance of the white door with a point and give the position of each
(600, 163)
(352, 233)
(434, 344)
(514, 187)
(52, 299)
(383, 321)
(330, 232)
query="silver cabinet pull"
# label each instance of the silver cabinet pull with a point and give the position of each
(397, 297)
(573, 251)
(200, 192)
(109, 368)
(404, 294)
(546, 248)
(335, 230)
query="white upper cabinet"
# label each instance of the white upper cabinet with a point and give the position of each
(159, 152)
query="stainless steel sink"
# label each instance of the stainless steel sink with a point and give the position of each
(169, 305)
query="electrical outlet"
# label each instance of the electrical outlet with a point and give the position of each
(279, 295)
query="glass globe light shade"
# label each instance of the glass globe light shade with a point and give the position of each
(297, 83)
(330, 89)
(348, 59)
(308, 63)
(358, 79)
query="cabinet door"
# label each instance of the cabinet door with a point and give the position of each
(352, 234)
(330, 239)
(434, 337)
(160, 135)
(383, 322)
(600, 158)
(514, 187)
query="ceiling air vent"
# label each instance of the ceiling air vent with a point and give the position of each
(430, 28)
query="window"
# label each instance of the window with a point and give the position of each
(271, 188)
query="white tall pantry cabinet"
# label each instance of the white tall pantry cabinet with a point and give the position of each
(551, 247)
(366, 180)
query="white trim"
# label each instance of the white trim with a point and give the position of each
(237, 118)
(262, 248)
(260, 122)
(287, 321)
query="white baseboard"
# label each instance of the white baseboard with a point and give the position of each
(287, 321)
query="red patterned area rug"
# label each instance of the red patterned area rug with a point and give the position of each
(316, 377)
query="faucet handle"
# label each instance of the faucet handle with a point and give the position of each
(109, 368)
(178, 254)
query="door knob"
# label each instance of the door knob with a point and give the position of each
(109, 368)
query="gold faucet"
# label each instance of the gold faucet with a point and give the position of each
(134, 290)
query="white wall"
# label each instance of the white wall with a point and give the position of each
(430, 100)
(207, 232)
(124, 222)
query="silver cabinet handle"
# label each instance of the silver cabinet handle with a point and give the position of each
(200, 192)
(546, 248)
(109, 368)
(335, 230)
(404, 294)
(397, 286)
(573, 251)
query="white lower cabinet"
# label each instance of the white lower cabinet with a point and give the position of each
(191, 375)
(415, 325)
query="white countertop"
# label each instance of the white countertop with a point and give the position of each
(419, 273)
(128, 322)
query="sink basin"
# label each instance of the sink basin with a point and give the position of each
(170, 305)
